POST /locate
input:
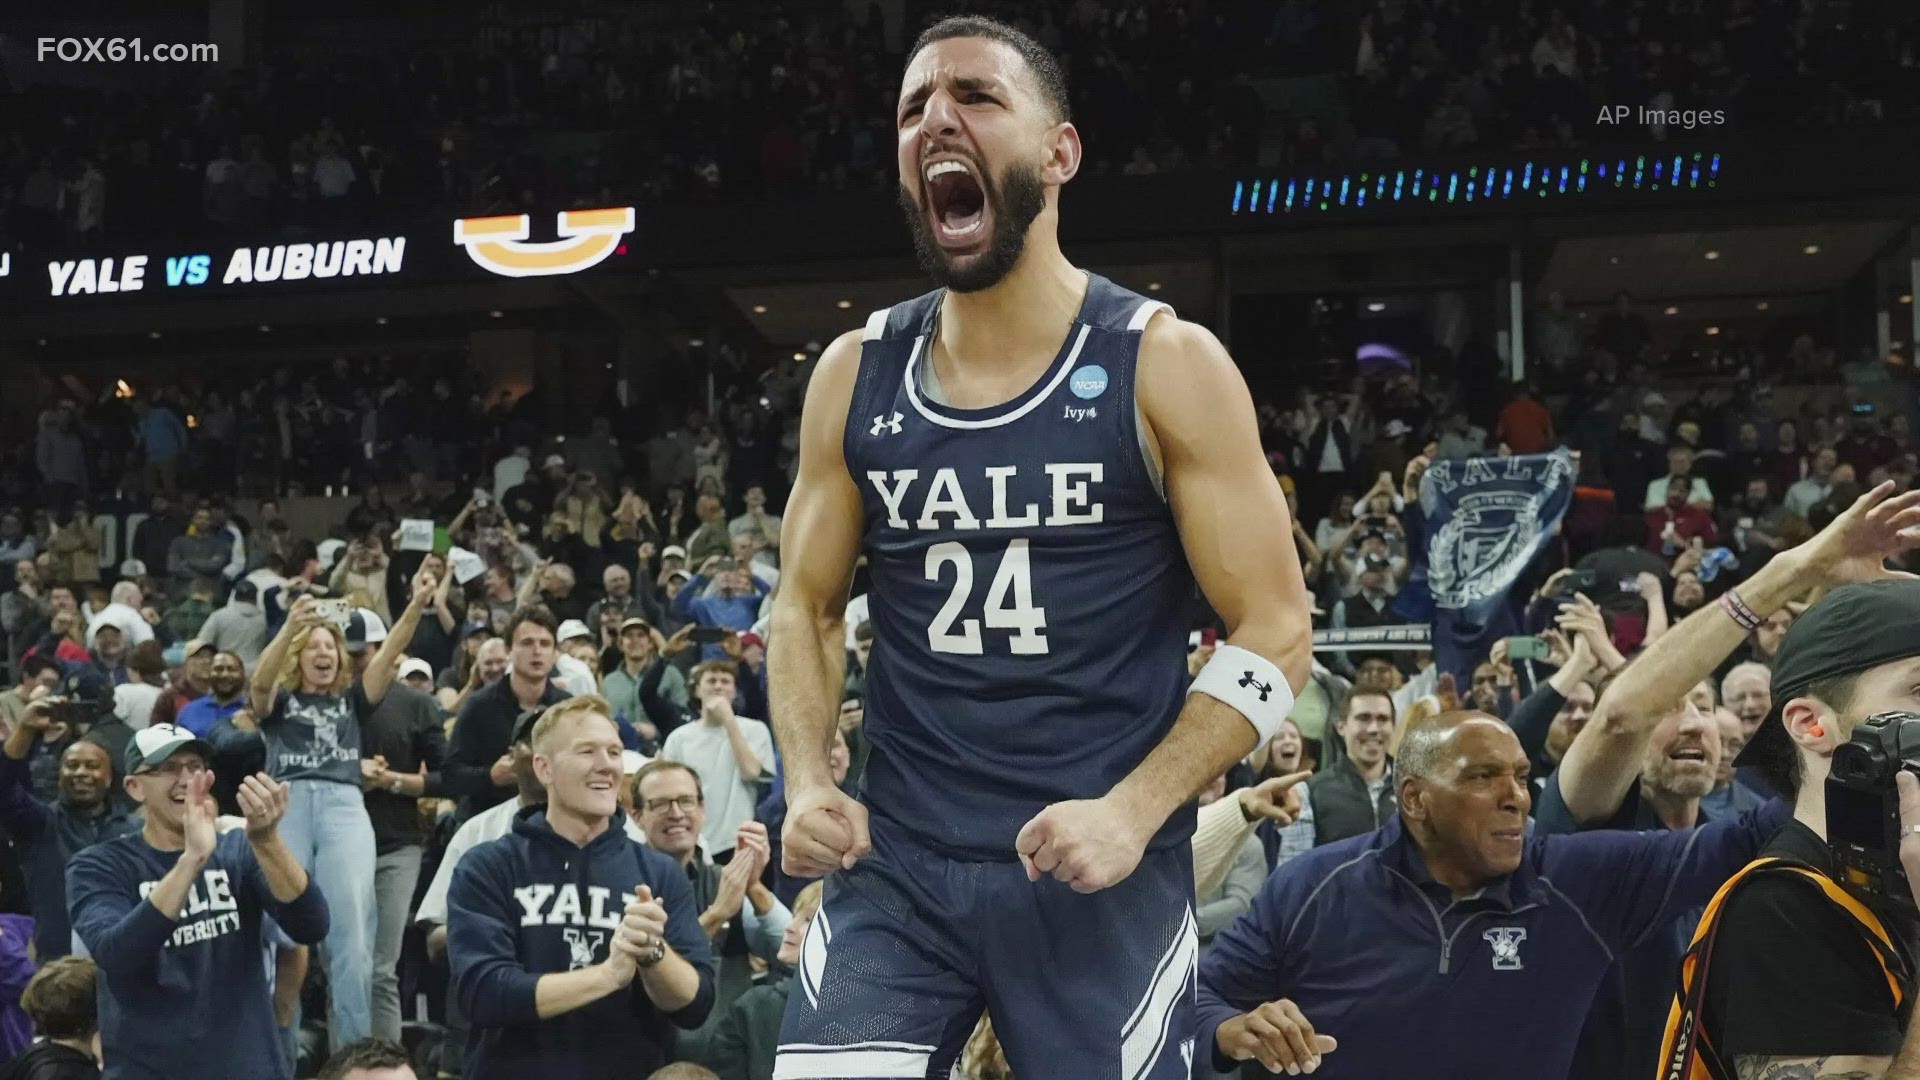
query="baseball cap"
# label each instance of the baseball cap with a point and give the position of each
(632, 621)
(246, 591)
(555, 461)
(477, 626)
(133, 568)
(751, 638)
(197, 646)
(1851, 629)
(572, 628)
(364, 628)
(681, 574)
(89, 685)
(154, 744)
(416, 666)
(673, 551)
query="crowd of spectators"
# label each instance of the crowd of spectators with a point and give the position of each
(590, 100)
(490, 566)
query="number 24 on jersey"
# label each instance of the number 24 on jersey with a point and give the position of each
(1009, 602)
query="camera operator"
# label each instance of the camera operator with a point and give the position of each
(1794, 987)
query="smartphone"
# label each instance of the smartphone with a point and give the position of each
(1527, 648)
(334, 611)
(708, 635)
(1865, 408)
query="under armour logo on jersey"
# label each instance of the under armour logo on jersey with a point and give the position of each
(583, 947)
(1248, 680)
(1506, 946)
(888, 424)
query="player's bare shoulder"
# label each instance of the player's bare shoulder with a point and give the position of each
(1187, 383)
(823, 417)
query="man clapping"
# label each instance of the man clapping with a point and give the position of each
(574, 948)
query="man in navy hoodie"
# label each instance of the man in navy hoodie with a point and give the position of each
(1358, 957)
(574, 948)
(174, 917)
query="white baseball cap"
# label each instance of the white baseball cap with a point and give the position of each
(572, 628)
(154, 744)
(416, 666)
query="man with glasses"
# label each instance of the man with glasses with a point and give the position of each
(740, 915)
(175, 917)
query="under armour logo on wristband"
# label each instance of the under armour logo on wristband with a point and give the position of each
(1248, 680)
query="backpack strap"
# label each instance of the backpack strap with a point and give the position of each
(1687, 1051)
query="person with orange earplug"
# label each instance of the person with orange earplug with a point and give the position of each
(575, 950)
(1804, 977)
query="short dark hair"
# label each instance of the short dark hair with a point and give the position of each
(538, 615)
(660, 765)
(1835, 693)
(60, 999)
(33, 665)
(1346, 710)
(863, 632)
(722, 667)
(365, 1054)
(1047, 73)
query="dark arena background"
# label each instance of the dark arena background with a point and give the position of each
(1562, 323)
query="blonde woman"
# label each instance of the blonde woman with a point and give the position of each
(309, 708)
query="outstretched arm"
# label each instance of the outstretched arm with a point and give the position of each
(1605, 758)
(1238, 538)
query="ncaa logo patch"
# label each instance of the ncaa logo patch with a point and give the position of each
(1088, 382)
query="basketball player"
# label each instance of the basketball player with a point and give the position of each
(1030, 458)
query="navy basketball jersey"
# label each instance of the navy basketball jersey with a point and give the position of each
(1027, 583)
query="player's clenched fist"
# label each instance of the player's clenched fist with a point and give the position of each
(826, 830)
(1277, 1036)
(1091, 844)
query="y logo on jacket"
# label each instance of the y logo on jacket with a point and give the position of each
(1506, 946)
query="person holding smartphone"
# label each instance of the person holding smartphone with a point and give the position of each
(722, 596)
(308, 709)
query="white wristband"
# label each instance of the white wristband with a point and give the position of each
(1250, 683)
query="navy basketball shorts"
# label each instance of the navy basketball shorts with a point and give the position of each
(909, 946)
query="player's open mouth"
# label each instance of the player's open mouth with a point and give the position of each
(956, 203)
(1689, 754)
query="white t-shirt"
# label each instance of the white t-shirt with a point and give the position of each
(133, 703)
(705, 749)
(133, 627)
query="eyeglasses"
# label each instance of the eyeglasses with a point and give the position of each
(173, 770)
(686, 804)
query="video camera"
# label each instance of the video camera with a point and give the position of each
(1863, 806)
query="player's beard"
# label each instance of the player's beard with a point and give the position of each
(1015, 200)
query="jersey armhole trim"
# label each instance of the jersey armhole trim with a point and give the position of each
(876, 325)
(1144, 312)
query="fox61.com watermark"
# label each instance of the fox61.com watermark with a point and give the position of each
(121, 50)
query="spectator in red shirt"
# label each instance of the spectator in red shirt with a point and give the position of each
(1673, 527)
(1525, 425)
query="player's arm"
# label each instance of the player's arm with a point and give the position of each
(806, 655)
(1238, 538)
